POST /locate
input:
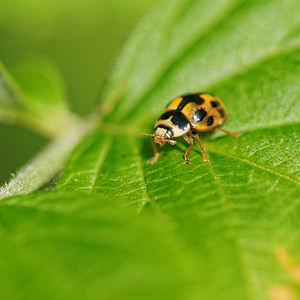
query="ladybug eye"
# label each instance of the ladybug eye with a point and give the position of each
(169, 134)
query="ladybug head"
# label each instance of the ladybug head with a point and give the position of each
(162, 135)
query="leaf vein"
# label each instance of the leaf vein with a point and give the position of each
(99, 163)
(249, 162)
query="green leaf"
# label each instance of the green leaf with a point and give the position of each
(74, 246)
(10, 98)
(32, 95)
(41, 84)
(193, 45)
(8, 92)
(236, 211)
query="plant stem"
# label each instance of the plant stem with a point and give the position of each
(47, 163)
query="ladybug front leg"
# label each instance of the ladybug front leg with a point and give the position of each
(188, 151)
(195, 136)
(153, 159)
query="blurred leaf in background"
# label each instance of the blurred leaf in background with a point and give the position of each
(80, 38)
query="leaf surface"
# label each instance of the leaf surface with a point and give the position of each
(60, 245)
(238, 215)
(236, 211)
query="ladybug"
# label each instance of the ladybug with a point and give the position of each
(185, 116)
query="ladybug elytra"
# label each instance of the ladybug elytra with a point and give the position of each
(186, 116)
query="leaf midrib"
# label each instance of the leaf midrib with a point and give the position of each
(142, 169)
(228, 218)
(100, 161)
(117, 129)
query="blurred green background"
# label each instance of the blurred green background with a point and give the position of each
(82, 38)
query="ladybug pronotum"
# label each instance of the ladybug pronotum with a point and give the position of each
(185, 116)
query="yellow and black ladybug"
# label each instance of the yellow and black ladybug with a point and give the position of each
(185, 116)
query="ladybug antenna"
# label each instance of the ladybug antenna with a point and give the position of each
(145, 134)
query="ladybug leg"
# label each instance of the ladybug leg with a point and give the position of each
(153, 159)
(188, 151)
(205, 158)
(235, 134)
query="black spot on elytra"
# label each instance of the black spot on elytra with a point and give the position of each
(214, 103)
(178, 118)
(222, 113)
(190, 98)
(199, 115)
(210, 120)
